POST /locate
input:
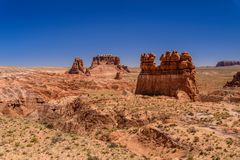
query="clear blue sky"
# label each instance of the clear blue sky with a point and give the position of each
(53, 32)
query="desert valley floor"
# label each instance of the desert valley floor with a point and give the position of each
(48, 114)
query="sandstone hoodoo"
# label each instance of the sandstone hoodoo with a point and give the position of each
(227, 63)
(235, 82)
(174, 75)
(118, 76)
(77, 66)
(105, 62)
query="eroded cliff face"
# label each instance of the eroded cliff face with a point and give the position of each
(175, 75)
(169, 84)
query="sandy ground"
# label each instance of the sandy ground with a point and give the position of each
(147, 127)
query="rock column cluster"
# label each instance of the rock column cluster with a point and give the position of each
(175, 74)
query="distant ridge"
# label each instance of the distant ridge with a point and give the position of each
(227, 63)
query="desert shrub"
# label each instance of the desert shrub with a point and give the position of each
(57, 138)
(90, 157)
(48, 125)
(34, 139)
(191, 130)
(229, 141)
(112, 145)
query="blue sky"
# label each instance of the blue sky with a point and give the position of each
(53, 32)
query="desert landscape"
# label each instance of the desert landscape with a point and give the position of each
(119, 80)
(47, 113)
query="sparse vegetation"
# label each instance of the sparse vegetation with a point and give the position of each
(201, 130)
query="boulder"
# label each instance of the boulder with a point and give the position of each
(118, 76)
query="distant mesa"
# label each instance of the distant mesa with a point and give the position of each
(175, 73)
(235, 81)
(227, 63)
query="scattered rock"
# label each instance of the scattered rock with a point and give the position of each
(183, 96)
(127, 93)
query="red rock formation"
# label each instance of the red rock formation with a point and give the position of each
(235, 82)
(107, 60)
(77, 66)
(175, 73)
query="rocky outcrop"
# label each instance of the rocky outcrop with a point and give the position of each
(77, 66)
(227, 63)
(155, 135)
(175, 73)
(235, 82)
(75, 116)
(108, 60)
(105, 59)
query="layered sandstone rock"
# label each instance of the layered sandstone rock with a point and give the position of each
(77, 66)
(175, 73)
(227, 63)
(235, 82)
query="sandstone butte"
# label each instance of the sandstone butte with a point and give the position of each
(108, 60)
(175, 76)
